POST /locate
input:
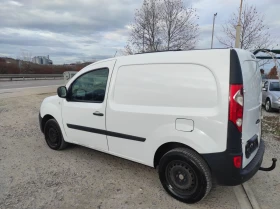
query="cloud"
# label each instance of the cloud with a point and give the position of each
(15, 3)
(62, 28)
(93, 29)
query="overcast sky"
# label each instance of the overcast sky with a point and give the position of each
(82, 30)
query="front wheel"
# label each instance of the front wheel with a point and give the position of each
(53, 135)
(185, 175)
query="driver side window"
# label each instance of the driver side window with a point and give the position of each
(90, 87)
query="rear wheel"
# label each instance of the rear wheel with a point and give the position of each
(268, 106)
(53, 135)
(185, 175)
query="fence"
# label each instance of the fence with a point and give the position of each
(35, 76)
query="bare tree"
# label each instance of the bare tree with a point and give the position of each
(254, 32)
(179, 28)
(146, 30)
(163, 25)
(127, 50)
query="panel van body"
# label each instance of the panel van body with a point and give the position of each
(196, 115)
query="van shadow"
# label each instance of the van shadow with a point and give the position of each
(141, 176)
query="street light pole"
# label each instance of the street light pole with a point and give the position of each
(214, 17)
(238, 28)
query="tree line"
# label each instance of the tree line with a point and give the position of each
(13, 66)
(161, 25)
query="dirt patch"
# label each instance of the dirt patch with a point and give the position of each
(271, 125)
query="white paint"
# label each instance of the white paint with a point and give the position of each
(80, 113)
(182, 124)
(252, 101)
(165, 85)
(154, 117)
(146, 94)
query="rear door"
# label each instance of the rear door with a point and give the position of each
(251, 126)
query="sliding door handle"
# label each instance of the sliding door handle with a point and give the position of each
(98, 113)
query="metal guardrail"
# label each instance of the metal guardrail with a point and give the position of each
(35, 76)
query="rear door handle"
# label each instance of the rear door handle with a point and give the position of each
(98, 114)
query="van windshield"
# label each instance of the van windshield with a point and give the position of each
(274, 86)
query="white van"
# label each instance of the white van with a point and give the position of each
(194, 115)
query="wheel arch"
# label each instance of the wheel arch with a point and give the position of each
(45, 119)
(166, 147)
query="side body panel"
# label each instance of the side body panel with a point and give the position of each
(148, 93)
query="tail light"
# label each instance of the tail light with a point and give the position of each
(237, 161)
(236, 105)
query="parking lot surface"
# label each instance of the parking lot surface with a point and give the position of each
(34, 176)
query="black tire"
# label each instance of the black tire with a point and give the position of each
(267, 105)
(185, 175)
(53, 135)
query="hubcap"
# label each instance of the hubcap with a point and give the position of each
(181, 177)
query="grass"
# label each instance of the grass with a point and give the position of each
(271, 124)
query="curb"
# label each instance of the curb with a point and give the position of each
(246, 197)
(251, 196)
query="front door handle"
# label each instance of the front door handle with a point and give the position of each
(98, 114)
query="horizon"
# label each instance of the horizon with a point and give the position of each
(93, 30)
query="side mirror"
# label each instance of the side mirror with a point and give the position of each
(62, 92)
(264, 89)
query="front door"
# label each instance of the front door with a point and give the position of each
(83, 111)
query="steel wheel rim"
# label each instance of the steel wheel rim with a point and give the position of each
(181, 178)
(267, 105)
(53, 136)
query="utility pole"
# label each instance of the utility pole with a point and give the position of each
(238, 28)
(214, 17)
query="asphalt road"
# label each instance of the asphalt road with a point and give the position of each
(8, 85)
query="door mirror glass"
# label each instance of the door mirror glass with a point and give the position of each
(62, 91)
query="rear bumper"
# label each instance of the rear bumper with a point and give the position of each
(224, 172)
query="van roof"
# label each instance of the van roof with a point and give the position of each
(167, 54)
(160, 53)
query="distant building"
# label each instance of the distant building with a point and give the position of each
(42, 60)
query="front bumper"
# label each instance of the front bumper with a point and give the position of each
(224, 172)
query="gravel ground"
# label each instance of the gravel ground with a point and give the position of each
(34, 176)
(266, 185)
